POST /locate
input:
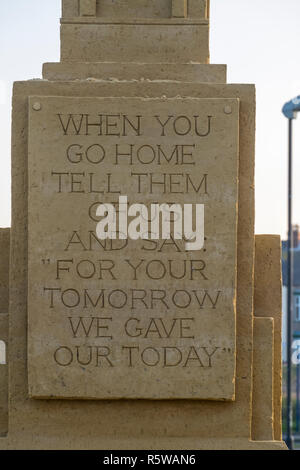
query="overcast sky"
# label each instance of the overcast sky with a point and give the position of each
(258, 39)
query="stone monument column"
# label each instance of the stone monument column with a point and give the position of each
(139, 341)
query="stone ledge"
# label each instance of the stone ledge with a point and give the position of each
(142, 21)
(199, 73)
(49, 443)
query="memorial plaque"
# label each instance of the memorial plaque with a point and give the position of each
(132, 316)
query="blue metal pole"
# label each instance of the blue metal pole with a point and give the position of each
(298, 399)
(289, 427)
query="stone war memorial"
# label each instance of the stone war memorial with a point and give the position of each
(140, 310)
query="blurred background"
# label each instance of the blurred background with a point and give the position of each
(259, 41)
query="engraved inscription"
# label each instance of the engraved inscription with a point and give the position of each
(131, 318)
